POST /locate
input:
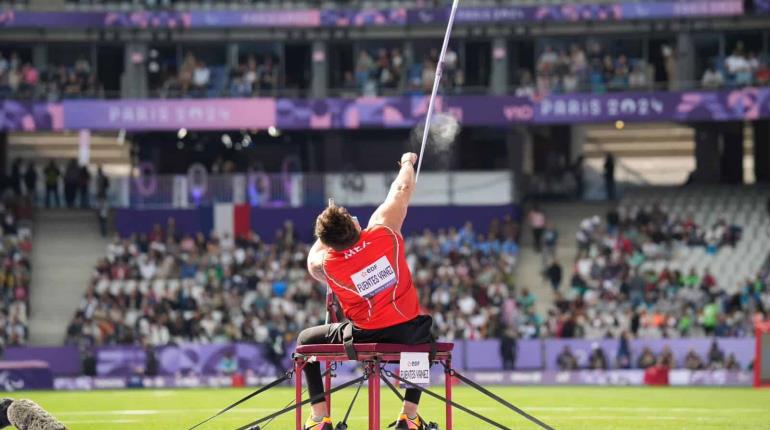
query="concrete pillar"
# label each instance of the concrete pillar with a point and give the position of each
(685, 48)
(40, 56)
(732, 152)
(519, 141)
(499, 79)
(134, 81)
(232, 55)
(320, 78)
(707, 154)
(762, 151)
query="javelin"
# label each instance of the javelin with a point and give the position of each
(436, 82)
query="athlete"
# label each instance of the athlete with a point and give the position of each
(367, 271)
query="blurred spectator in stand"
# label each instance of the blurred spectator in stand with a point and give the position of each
(508, 349)
(15, 178)
(537, 221)
(364, 65)
(639, 77)
(670, 66)
(712, 77)
(450, 68)
(732, 363)
(620, 79)
(29, 80)
(151, 364)
(738, 67)
(428, 74)
(623, 358)
(238, 85)
(30, 182)
(554, 274)
(550, 240)
(576, 169)
(526, 87)
(89, 362)
(692, 361)
(102, 184)
(597, 360)
(609, 176)
(52, 174)
(103, 215)
(716, 357)
(71, 177)
(84, 186)
(201, 79)
(666, 358)
(349, 87)
(185, 80)
(646, 359)
(228, 364)
(566, 360)
(268, 75)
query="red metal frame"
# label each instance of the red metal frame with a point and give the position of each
(761, 327)
(372, 361)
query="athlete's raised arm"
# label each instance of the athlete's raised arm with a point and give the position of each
(392, 211)
(315, 261)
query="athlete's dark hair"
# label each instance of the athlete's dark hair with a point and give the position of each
(336, 228)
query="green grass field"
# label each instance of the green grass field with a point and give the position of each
(588, 408)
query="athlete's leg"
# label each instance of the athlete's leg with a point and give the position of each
(322, 334)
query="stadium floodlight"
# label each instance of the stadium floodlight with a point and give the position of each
(227, 141)
(762, 355)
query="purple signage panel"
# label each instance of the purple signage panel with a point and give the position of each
(137, 20)
(716, 378)
(25, 375)
(30, 116)
(199, 114)
(269, 18)
(746, 104)
(395, 17)
(63, 360)
(579, 12)
(743, 348)
(359, 18)
(762, 6)
(399, 112)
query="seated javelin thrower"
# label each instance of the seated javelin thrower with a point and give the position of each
(381, 310)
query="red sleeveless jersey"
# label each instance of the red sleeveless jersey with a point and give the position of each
(372, 280)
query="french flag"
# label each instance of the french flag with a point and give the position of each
(231, 220)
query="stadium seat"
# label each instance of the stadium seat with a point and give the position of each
(371, 355)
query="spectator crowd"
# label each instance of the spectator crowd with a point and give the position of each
(387, 71)
(21, 79)
(15, 248)
(610, 295)
(55, 185)
(577, 70)
(740, 69)
(163, 287)
(714, 359)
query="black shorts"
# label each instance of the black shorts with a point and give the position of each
(412, 332)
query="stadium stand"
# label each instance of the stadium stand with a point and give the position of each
(687, 262)
(161, 289)
(15, 276)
